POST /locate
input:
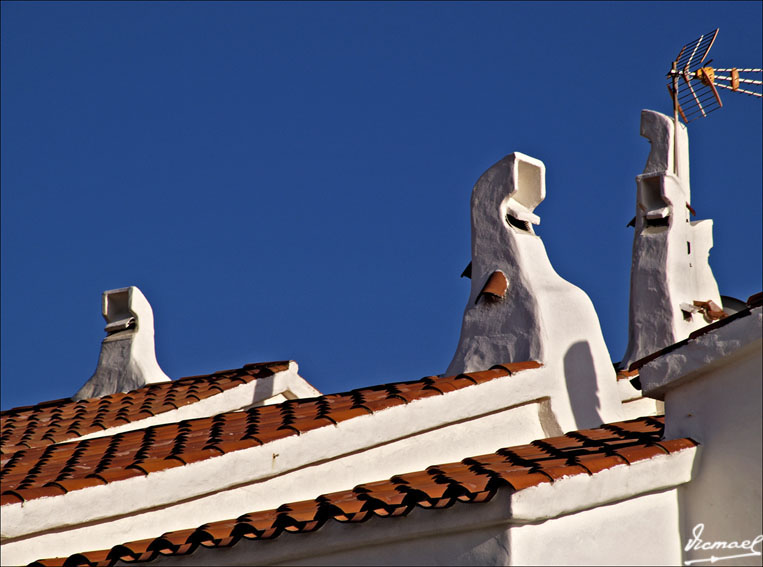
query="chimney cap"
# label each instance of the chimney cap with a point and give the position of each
(128, 358)
(124, 308)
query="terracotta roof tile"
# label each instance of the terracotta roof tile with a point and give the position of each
(471, 481)
(596, 462)
(674, 445)
(10, 497)
(640, 453)
(29, 472)
(517, 366)
(65, 419)
(623, 374)
(429, 494)
(559, 468)
(495, 287)
(79, 483)
(40, 492)
(343, 507)
(475, 479)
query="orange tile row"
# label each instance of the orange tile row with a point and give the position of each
(56, 469)
(62, 420)
(475, 479)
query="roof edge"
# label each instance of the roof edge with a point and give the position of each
(699, 354)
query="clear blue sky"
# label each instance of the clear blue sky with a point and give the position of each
(292, 181)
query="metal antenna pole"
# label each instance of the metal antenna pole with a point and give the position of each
(674, 72)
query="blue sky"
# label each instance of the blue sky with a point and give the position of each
(292, 180)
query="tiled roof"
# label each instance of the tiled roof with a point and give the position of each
(474, 479)
(55, 421)
(56, 469)
(752, 302)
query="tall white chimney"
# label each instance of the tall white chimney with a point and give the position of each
(520, 309)
(673, 291)
(128, 358)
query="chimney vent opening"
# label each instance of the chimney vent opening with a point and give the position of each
(529, 184)
(117, 305)
(658, 222)
(516, 223)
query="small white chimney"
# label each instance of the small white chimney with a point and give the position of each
(673, 291)
(128, 358)
(520, 309)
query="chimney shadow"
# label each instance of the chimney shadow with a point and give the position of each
(264, 388)
(582, 390)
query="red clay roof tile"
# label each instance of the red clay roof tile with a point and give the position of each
(41, 492)
(10, 497)
(675, 445)
(640, 453)
(623, 374)
(119, 473)
(560, 469)
(596, 462)
(78, 483)
(99, 558)
(518, 366)
(154, 465)
(495, 287)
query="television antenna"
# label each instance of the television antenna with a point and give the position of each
(700, 96)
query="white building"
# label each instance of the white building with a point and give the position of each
(504, 460)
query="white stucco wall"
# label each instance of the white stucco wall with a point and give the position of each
(635, 404)
(712, 391)
(723, 412)
(641, 531)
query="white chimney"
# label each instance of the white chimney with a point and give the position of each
(520, 309)
(673, 291)
(128, 358)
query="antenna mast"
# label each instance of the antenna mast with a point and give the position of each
(674, 72)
